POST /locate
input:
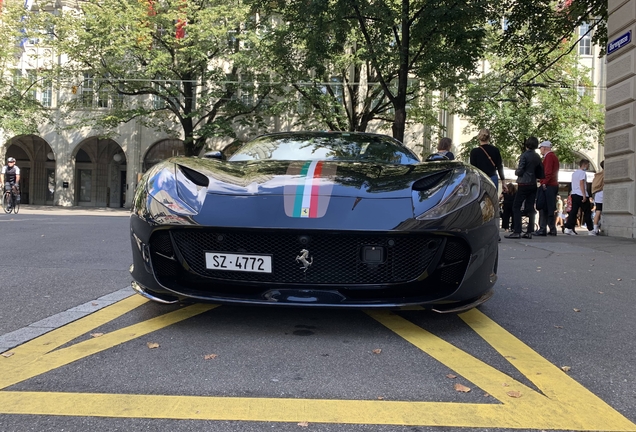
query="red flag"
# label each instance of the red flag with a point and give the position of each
(181, 22)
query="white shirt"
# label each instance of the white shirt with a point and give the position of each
(598, 197)
(577, 176)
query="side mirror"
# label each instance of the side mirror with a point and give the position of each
(214, 155)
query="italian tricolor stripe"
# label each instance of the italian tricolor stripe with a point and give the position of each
(308, 191)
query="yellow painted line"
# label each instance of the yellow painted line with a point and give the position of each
(257, 409)
(487, 378)
(551, 380)
(13, 369)
(568, 405)
(60, 336)
(565, 405)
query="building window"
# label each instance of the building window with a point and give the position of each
(88, 90)
(585, 42)
(39, 89)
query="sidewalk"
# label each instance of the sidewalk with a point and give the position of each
(75, 210)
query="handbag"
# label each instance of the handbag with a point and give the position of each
(541, 199)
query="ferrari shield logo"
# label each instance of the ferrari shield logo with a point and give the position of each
(309, 190)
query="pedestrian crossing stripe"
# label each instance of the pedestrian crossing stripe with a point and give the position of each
(562, 403)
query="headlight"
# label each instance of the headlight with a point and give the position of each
(168, 186)
(463, 189)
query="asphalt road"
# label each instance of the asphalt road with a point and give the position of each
(559, 302)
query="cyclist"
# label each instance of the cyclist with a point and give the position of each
(10, 177)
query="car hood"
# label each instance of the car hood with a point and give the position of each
(335, 178)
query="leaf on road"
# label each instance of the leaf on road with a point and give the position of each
(377, 351)
(94, 304)
(451, 376)
(152, 345)
(7, 354)
(514, 394)
(577, 310)
(303, 424)
(556, 326)
(380, 397)
(601, 292)
(210, 356)
(486, 395)
(565, 368)
(95, 335)
(505, 385)
(461, 388)
(619, 279)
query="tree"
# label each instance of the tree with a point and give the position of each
(534, 30)
(185, 67)
(556, 104)
(20, 110)
(385, 45)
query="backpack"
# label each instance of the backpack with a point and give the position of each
(598, 181)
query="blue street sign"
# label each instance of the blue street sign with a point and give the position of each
(619, 42)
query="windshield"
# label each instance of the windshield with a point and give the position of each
(327, 146)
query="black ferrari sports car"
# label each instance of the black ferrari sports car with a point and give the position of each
(331, 219)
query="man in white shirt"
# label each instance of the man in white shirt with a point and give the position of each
(580, 200)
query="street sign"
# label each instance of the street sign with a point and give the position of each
(619, 42)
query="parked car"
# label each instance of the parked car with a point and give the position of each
(331, 219)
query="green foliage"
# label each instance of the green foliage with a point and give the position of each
(539, 27)
(556, 105)
(387, 56)
(20, 111)
(183, 67)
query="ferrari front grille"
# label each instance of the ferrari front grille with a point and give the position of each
(336, 257)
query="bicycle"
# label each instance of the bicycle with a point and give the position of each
(9, 201)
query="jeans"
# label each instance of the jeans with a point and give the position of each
(546, 215)
(495, 180)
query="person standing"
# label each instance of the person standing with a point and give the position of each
(560, 218)
(529, 170)
(444, 147)
(580, 200)
(487, 158)
(550, 186)
(597, 189)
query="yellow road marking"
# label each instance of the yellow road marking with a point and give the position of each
(14, 370)
(565, 404)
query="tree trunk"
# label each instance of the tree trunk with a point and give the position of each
(399, 123)
(399, 103)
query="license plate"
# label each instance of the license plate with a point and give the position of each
(238, 262)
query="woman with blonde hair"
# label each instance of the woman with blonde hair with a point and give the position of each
(487, 158)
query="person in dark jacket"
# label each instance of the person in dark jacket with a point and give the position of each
(529, 170)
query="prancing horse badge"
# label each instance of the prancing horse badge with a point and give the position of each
(305, 259)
